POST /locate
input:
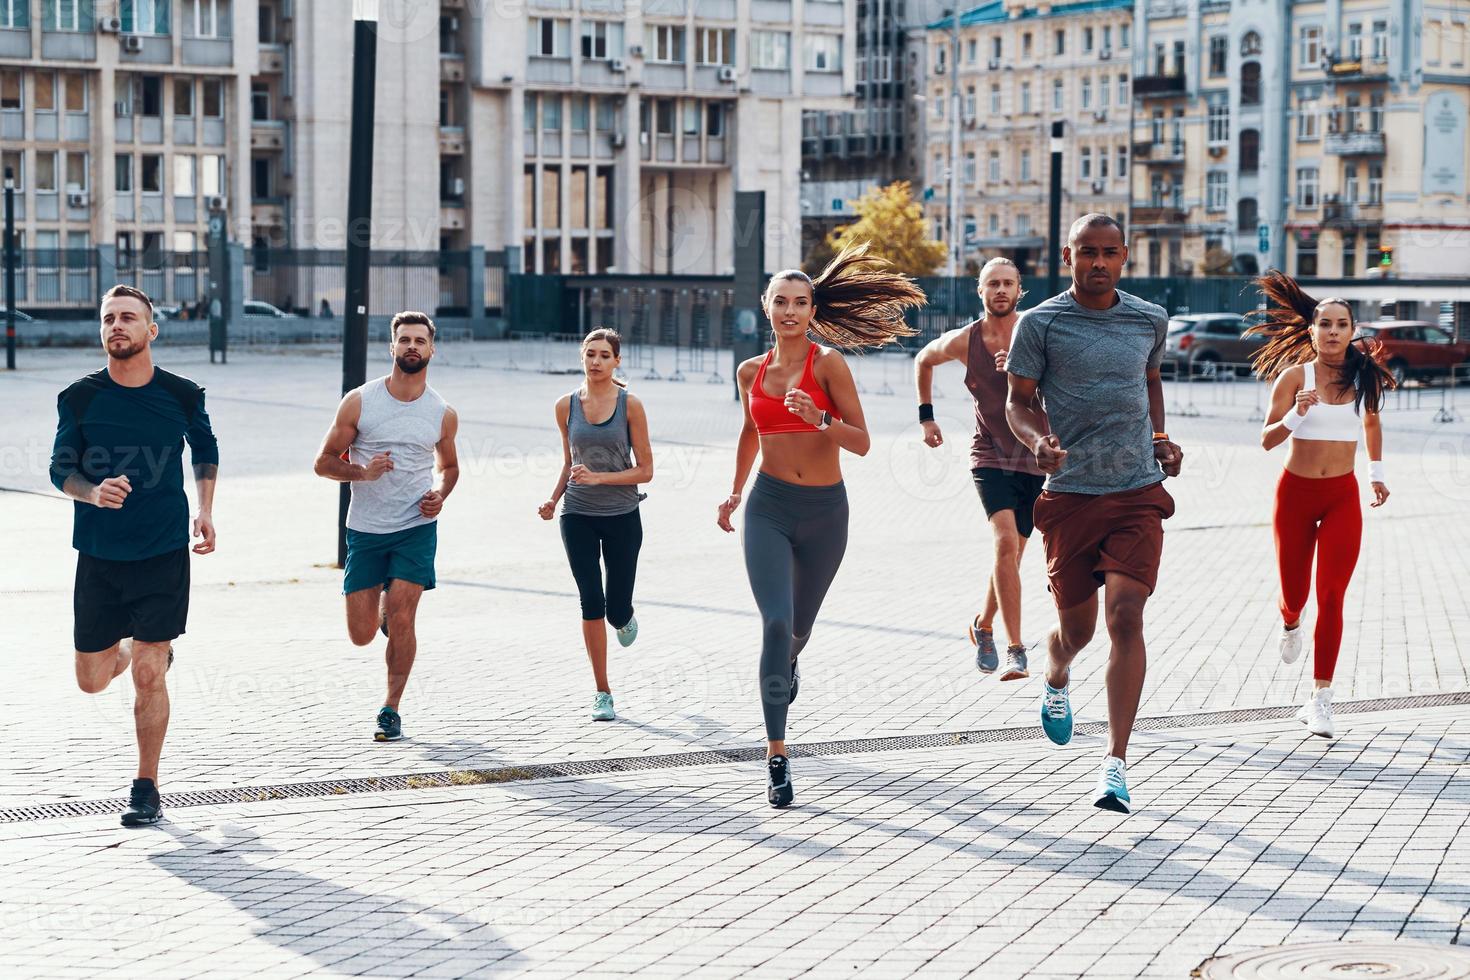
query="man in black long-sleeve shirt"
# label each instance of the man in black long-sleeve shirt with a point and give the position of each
(120, 437)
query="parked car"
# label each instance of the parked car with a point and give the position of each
(256, 307)
(1204, 341)
(20, 316)
(1415, 348)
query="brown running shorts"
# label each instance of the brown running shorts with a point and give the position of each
(1088, 535)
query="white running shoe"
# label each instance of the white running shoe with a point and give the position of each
(1316, 714)
(1291, 644)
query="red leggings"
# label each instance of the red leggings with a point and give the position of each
(1322, 515)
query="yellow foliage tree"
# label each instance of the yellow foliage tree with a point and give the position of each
(893, 223)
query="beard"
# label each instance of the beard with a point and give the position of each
(126, 350)
(411, 366)
(1000, 308)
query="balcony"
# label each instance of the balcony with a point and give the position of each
(268, 212)
(1358, 144)
(1350, 215)
(1158, 86)
(451, 141)
(267, 135)
(1168, 152)
(1156, 215)
(451, 68)
(1358, 70)
(272, 59)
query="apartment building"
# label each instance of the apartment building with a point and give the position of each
(1019, 68)
(124, 124)
(1304, 136)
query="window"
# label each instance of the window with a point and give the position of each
(183, 96)
(1308, 119)
(1161, 59)
(713, 46)
(46, 171)
(1219, 122)
(551, 112)
(184, 243)
(261, 184)
(993, 223)
(691, 118)
(1026, 45)
(995, 100)
(1375, 184)
(260, 101)
(1086, 93)
(1179, 57)
(1380, 40)
(207, 18)
(122, 170)
(10, 90)
(1250, 44)
(1245, 214)
(1219, 50)
(1217, 190)
(1354, 42)
(12, 164)
(1104, 93)
(138, 16)
(1085, 160)
(549, 37)
(1350, 183)
(1057, 98)
(183, 175)
(67, 15)
(1025, 96)
(1087, 38)
(212, 92)
(1023, 224)
(211, 175)
(714, 119)
(967, 108)
(77, 171)
(151, 173)
(1122, 170)
(266, 24)
(1125, 33)
(603, 40)
(995, 49)
(663, 117)
(970, 167)
(1250, 151)
(992, 172)
(1310, 46)
(1122, 89)
(1434, 42)
(581, 111)
(823, 52)
(1026, 165)
(772, 49)
(43, 91)
(1306, 187)
(1353, 107)
(1059, 42)
(607, 114)
(664, 43)
(1102, 161)
(1306, 253)
(1250, 83)
(970, 49)
(150, 95)
(1375, 113)
(15, 13)
(1156, 126)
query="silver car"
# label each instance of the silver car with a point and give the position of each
(1203, 342)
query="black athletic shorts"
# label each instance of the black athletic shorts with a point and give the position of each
(1008, 490)
(147, 600)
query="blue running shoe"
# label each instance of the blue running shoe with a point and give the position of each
(602, 707)
(390, 726)
(628, 632)
(1112, 789)
(987, 659)
(1056, 715)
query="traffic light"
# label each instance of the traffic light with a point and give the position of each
(1385, 256)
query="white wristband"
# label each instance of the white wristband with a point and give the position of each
(1375, 472)
(1293, 420)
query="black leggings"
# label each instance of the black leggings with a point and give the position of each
(794, 538)
(614, 540)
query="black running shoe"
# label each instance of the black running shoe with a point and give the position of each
(390, 725)
(778, 788)
(144, 807)
(795, 680)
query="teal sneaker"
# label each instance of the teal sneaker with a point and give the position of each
(628, 632)
(1056, 715)
(1112, 788)
(390, 726)
(602, 707)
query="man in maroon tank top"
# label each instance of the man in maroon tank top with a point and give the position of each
(1005, 473)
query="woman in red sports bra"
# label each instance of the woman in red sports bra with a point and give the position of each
(801, 410)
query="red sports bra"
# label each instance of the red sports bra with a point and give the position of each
(771, 414)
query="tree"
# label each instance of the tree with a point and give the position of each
(893, 223)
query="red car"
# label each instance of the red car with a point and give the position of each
(1416, 348)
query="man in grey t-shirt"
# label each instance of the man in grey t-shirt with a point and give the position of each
(1094, 354)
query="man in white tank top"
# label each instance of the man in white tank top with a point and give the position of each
(396, 433)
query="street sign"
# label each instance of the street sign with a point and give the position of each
(836, 204)
(928, 193)
(1263, 238)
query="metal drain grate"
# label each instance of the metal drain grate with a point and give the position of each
(591, 767)
(1377, 958)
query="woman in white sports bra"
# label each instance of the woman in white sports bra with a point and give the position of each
(1326, 398)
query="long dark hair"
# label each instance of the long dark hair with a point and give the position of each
(857, 300)
(613, 339)
(1286, 325)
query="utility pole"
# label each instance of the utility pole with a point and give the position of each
(956, 191)
(1054, 214)
(359, 221)
(10, 259)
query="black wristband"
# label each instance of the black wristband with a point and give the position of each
(926, 412)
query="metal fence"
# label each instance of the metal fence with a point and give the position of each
(55, 276)
(299, 280)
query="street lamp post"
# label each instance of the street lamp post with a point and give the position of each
(10, 258)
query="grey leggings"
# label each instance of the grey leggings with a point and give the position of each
(794, 540)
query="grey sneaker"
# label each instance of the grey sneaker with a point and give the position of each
(602, 707)
(1016, 667)
(986, 656)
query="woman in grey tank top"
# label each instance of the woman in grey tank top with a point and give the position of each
(603, 432)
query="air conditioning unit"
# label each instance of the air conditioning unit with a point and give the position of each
(132, 44)
(635, 50)
(216, 202)
(619, 140)
(1097, 186)
(76, 199)
(1105, 53)
(617, 65)
(456, 187)
(726, 74)
(1101, 115)
(109, 25)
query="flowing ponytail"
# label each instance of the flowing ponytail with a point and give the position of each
(858, 300)
(1286, 324)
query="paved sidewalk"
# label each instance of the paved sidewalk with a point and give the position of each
(954, 859)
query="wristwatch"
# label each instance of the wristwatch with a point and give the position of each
(825, 422)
